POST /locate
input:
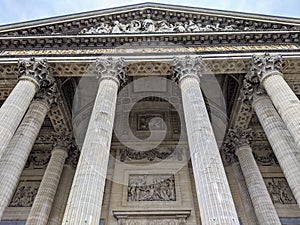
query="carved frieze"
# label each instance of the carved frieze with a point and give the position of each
(150, 155)
(153, 221)
(149, 68)
(151, 187)
(25, 194)
(160, 49)
(180, 19)
(149, 25)
(280, 191)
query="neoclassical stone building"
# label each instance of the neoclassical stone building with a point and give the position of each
(150, 114)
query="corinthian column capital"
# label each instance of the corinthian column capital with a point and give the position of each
(111, 68)
(187, 66)
(249, 91)
(240, 137)
(48, 94)
(35, 70)
(263, 66)
(62, 140)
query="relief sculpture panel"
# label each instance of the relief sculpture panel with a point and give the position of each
(280, 191)
(25, 194)
(151, 187)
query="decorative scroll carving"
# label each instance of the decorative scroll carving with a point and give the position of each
(187, 66)
(147, 121)
(264, 156)
(280, 191)
(38, 159)
(151, 154)
(111, 68)
(149, 25)
(35, 69)
(25, 194)
(151, 187)
(262, 65)
(155, 221)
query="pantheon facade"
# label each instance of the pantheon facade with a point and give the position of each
(150, 114)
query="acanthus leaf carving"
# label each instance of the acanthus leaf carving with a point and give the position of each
(25, 194)
(262, 65)
(186, 66)
(37, 70)
(111, 68)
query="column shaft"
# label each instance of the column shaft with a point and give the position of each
(214, 196)
(85, 199)
(261, 200)
(13, 110)
(283, 144)
(61, 196)
(245, 197)
(42, 204)
(286, 103)
(18, 150)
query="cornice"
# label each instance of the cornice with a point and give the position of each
(146, 39)
(76, 22)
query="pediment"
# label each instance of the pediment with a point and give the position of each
(149, 18)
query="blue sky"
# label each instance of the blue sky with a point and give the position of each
(13, 11)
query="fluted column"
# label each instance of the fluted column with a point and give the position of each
(228, 148)
(266, 69)
(244, 193)
(61, 196)
(32, 74)
(42, 204)
(19, 148)
(283, 144)
(214, 196)
(261, 200)
(85, 199)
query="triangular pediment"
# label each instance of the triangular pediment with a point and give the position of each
(148, 18)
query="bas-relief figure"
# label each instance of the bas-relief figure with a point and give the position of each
(149, 25)
(151, 188)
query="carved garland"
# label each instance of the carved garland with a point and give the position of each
(149, 155)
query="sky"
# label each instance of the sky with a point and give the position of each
(14, 11)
